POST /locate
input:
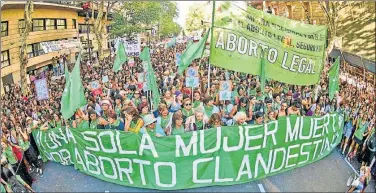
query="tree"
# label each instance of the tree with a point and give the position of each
(29, 9)
(135, 16)
(138, 16)
(100, 25)
(331, 10)
(195, 16)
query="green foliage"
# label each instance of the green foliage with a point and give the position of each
(137, 16)
(195, 16)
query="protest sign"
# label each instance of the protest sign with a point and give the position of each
(218, 156)
(192, 72)
(95, 88)
(104, 79)
(41, 89)
(225, 88)
(54, 46)
(294, 51)
(133, 47)
(192, 82)
(177, 58)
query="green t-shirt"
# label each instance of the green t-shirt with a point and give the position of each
(177, 131)
(360, 131)
(24, 145)
(9, 155)
(83, 125)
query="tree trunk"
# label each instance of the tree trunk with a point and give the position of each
(29, 8)
(99, 31)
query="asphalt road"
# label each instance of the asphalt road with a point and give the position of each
(327, 175)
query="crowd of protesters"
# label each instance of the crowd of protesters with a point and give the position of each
(123, 105)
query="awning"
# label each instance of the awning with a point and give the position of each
(354, 60)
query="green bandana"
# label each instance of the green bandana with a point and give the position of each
(208, 110)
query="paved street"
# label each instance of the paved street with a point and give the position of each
(327, 175)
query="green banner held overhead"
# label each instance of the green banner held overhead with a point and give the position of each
(73, 96)
(334, 79)
(294, 51)
(218, 156)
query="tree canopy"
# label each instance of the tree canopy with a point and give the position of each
(138, 16)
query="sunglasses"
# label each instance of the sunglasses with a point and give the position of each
(188, 104)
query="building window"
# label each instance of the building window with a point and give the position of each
(4, 28)
(50, 24)
(61, 24)
(37, 49)
(21, 25)
(38, 25)
(29, 50)
(82, 28)
(74, 24)
(5, 59)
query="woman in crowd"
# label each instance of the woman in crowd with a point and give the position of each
(177, 127)
(215, 121)
(133, 121)
(187, 110)
(198, 121)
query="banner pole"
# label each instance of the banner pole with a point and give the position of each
(211, 41)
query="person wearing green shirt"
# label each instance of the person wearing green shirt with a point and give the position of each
(209, 106)
(80, 123)
(187, 110)
(359, 133)
(197, 100)
(118, 104)
(16, 165)
(177, 127)
(30, 154)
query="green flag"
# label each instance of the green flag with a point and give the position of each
(333, 79)
(121, 57)
(194, 51)
(190, 42)
(73, 95)
(262, 74)
(151, 80)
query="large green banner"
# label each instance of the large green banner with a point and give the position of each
(218, 156)
(294, 51)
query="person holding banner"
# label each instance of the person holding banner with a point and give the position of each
(177, 126)
(215, 121)
(165, 117)
(199, 121)
(115, 122)
(79, 122)
(133, 121)
(95, 122)
(151, 127)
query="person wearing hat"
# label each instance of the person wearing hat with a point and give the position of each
(106, 106)
(151, 127)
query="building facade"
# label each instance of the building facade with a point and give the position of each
(51, 22)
